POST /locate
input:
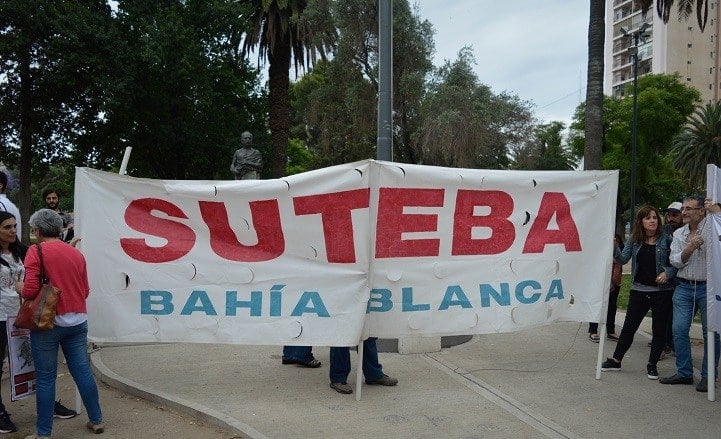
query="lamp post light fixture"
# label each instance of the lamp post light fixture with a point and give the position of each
(639, 35)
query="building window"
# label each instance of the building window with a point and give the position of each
(688, 62)
(688, 79)
(710, 86)
(690, 28)
(711, 54)
(689, 45)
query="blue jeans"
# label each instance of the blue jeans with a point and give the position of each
(340, 362)
(44, 344)
(298, 353)
(687, 299)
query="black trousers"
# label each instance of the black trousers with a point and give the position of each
(3, 349)
(611, 315)
(638, 305)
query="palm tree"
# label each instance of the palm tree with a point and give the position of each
(594, 82)
(594, 86)
(685, 8)
(699, 144)
(282, 29)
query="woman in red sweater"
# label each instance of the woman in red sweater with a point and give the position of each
(65, 268)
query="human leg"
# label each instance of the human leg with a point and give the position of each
(683, 311)
(74, 344)
(660, 304)
(700, 296)
(669, 328)
(339, 364)
(612, 308)
(44, 346)
(638, 306)
(6, 424)
(372, 369)
(3, 348)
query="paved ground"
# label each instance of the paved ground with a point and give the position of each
(129, 417)
(530, 384)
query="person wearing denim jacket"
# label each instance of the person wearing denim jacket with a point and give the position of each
(648, 248)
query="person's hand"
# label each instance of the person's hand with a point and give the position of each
(19, 286)
(711, 206)
(75, 240)
(661, 278)
(695, 241)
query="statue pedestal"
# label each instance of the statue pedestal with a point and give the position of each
(418, 345)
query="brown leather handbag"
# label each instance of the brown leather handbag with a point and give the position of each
(38, 314)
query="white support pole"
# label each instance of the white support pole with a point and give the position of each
(123, 168)
(601, 343)
(711, 364)
(124, 164)
(359, 372)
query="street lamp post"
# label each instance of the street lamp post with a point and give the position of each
(638, 35)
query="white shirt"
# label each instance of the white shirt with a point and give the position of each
(695, 267)
(8, 206)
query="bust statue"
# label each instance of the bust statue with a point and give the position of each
(247, 160)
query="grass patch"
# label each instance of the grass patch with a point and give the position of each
(623, 293)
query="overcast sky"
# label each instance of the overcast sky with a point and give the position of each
(536, 49)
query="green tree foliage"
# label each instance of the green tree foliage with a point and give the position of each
(464, 124)
(664, 102)
(545, 150)
(334, 106)
(51, 53)
(176, 92)
(335, 112)
(699, 144)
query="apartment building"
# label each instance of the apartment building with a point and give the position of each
(678, 46)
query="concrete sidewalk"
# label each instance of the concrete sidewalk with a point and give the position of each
(531, 384)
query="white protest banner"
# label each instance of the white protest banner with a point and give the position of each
(367, 248)
(713, 254)
(20, 361)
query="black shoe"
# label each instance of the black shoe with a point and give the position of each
(676, 379)
(63, 412)
(702, 385)
(6, 425)
(384, 380)
(312, 363)
(610, 364)
(651, 372)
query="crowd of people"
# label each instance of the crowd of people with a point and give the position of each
(668, 277)
(20, 276)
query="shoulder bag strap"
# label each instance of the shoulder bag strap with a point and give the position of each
(43, 279)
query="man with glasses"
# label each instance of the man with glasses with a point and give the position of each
(688, 254)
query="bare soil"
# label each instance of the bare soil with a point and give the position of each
(126, 416)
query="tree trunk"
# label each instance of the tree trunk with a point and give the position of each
(279, 106)
(26, 138)
(594, 86)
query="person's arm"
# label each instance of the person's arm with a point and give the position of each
(32, 285)
(694, 243)
(676, 250)
(623, 256)
(669, 270)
